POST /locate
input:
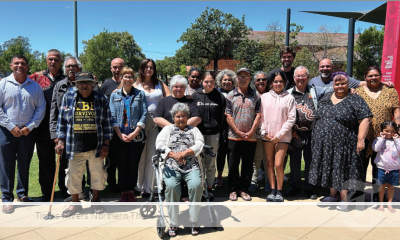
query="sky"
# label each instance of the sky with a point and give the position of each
(155, 26)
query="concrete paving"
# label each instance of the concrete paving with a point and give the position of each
(296, 218)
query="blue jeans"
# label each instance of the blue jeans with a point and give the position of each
(14, 149)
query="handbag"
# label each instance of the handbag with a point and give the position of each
(300, 141)
(141, 137)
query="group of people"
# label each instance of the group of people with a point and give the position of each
(335, 123)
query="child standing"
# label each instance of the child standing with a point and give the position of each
(387, 161)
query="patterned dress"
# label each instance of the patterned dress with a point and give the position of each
(179, 142)
(382, 109)
(335, 162)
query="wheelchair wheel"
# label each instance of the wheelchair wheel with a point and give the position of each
(147, 211)
(160, 227)
(215, 218)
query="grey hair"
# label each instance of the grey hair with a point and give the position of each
(258, 72)
(299, 68)
(179, 107)
(230, 74)
(74, 58)
(338, 76)
(56, 52)
(178, 79)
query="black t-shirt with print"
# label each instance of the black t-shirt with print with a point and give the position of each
(85, 131)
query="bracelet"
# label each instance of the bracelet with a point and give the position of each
(105, 145)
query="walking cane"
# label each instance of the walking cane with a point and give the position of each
(49, 216)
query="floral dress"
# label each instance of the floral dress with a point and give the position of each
(179, 141)
(335, 162)
(382, 107)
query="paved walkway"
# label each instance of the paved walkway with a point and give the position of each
(297, 218)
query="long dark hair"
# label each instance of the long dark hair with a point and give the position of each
(143, 67)
(274, 75)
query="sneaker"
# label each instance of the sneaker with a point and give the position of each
(342, 206)
(252, 187)
(218, 182)
(329, 199)
(131, 197)
(278, 198)
(261, 175)
(124, 197)
(270, 198)
(267, 187)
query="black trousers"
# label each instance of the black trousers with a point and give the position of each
(245, 151)
(295, 163)
(223, 152)
(112, 159)
(47, 160)
(128, 164)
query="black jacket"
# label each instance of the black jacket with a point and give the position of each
(212, 111)
(58, 93)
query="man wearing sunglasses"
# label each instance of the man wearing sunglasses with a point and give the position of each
(47, 79)
(72, 66)
(84, 127)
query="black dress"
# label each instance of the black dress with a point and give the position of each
(335, 162)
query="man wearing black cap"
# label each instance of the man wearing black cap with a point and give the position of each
(243, 106)
(84, 127)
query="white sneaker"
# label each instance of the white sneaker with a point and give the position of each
(342, 206)
(261, 176)
(330, 199)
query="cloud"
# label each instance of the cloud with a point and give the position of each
(149, 43)
(67, 7)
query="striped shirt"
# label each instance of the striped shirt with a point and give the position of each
(22, 105)
(65, 122)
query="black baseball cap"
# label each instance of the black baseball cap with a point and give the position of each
(84, 76)
(243, 70)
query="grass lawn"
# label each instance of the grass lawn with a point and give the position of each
(35, 191)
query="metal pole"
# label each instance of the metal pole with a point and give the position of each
(288, 27)
(75, 29)
(350, 47)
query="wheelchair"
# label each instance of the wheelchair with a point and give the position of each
(147, 210)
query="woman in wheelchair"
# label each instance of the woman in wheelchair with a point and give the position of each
(182, 144)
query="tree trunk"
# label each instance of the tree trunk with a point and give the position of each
(216, 66)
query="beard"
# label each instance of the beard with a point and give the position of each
(325, 75)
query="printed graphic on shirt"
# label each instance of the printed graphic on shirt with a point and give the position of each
(125, 122)
(206, 104)
(85, 115)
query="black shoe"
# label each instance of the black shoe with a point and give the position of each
(292, 192)
(113, 188)
(65, 194)
(310, 194)
(44, 199)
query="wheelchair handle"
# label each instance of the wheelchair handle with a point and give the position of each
(208, 147)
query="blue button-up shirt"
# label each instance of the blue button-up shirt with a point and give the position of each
(65, 122)
(21, 105)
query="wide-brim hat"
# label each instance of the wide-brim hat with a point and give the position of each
(84, 76)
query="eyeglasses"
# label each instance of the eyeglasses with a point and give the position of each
(301, 76)
(128, 77)
(71, 66)
(261, 79)
(84, 82)
(371, 76)
(242, 77)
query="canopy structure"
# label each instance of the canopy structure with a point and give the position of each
(376, 16)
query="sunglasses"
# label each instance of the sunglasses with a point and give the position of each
(261, 79)
(84, 82)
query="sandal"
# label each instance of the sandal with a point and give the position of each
(69, 212)
(233, 196)
(194, 228)
(173, 231)
(245, 196)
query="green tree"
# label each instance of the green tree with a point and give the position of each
(250, 54)
(304, 57)
(181, 70)
(99, 51)
(368, 49)
(212, 35)
(19, 45)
